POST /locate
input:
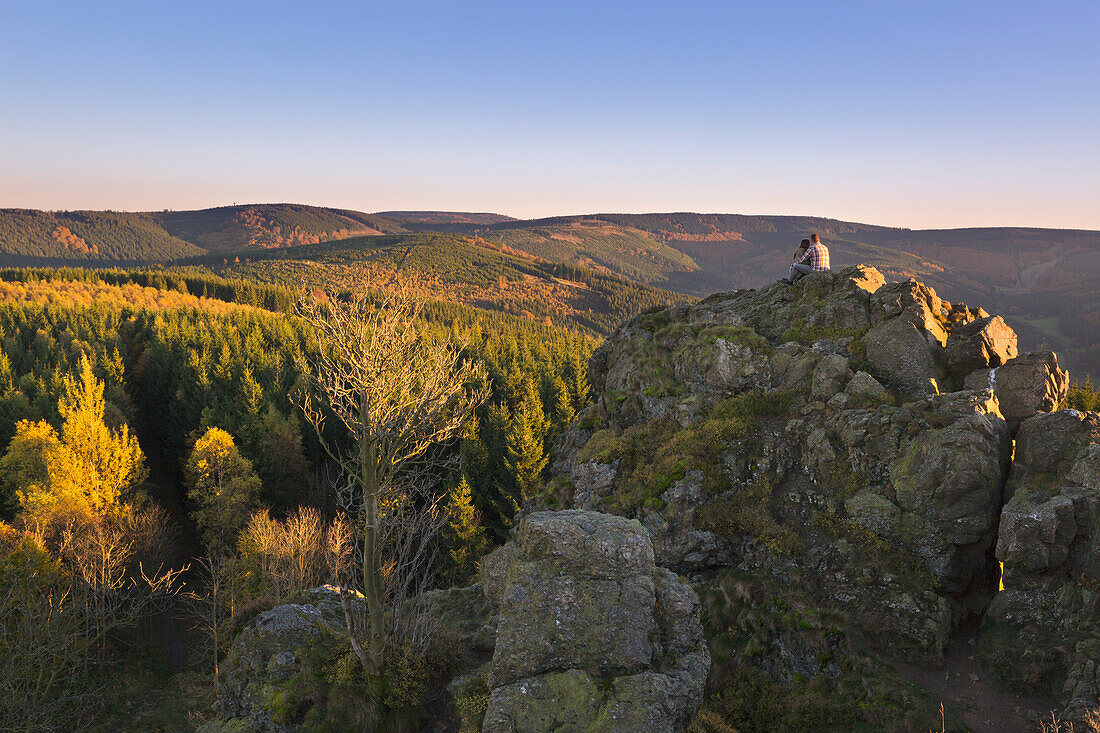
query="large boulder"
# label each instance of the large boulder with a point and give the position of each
(1025, 386)
(266, 654)
(905, 356)
(591, 634)
(980, 344)
(1048, 613)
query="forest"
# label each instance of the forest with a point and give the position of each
(157, 463)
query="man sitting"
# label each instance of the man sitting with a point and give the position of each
(813, 259)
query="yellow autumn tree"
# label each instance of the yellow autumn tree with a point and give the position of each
(85, 470)
(223, 487)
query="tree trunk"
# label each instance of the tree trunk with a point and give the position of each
(372, 571)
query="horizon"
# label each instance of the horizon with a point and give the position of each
(383, 212)
(937, 117)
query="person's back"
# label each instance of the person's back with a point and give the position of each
(814, 259)
(818, 255)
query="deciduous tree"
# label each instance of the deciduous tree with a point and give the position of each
(395, 395)
(223, 487)
(85, 470)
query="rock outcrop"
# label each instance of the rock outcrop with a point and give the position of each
(591, 634)
(1047, 617)
(266, 654)
(853, 439)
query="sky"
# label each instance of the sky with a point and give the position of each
(921, 114)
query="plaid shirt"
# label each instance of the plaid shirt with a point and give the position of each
(817, 257)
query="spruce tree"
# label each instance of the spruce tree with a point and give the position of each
(464, 537)
(524, 452)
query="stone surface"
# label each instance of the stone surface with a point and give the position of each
(980, 344)
(580, 599)
(1025, 386)
(266, 654)
(863, 385)
(592, 481)
(905, 356)
(830, 375)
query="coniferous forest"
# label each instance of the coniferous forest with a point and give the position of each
(157, 467)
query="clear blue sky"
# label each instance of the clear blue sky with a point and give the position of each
(915, 114)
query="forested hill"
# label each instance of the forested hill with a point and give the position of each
(41, 237)
(89, 236)
(1043, 280)
(456, 268)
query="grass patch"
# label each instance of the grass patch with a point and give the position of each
(656, 454)
(844, 481)
(876, 551)
(749, 512)
(745, 615)
(756, 404)
(471, 700)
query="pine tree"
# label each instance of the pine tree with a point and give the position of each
(464, 537)
(524, 453)
(564, 411)
(576, 379)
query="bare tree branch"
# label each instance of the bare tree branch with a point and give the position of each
(396, 396)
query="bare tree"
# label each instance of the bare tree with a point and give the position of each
(397, 396)
(211, 607)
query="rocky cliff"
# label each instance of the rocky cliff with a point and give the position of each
(864, 452)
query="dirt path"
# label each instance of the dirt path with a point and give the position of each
(963, 684)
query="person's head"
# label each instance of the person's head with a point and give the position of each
(804, 244)
(815, 238)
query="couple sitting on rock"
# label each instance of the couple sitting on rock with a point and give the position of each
(811, 256)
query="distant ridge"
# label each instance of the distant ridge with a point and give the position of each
(1044, 280)
(447, 217)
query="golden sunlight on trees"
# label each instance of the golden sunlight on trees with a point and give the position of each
(300, 552)
(84, 471)
(76, 568)
(223, 487)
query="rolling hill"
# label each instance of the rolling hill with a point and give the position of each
(1044, 280)
(29, 236)
(455, 268)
